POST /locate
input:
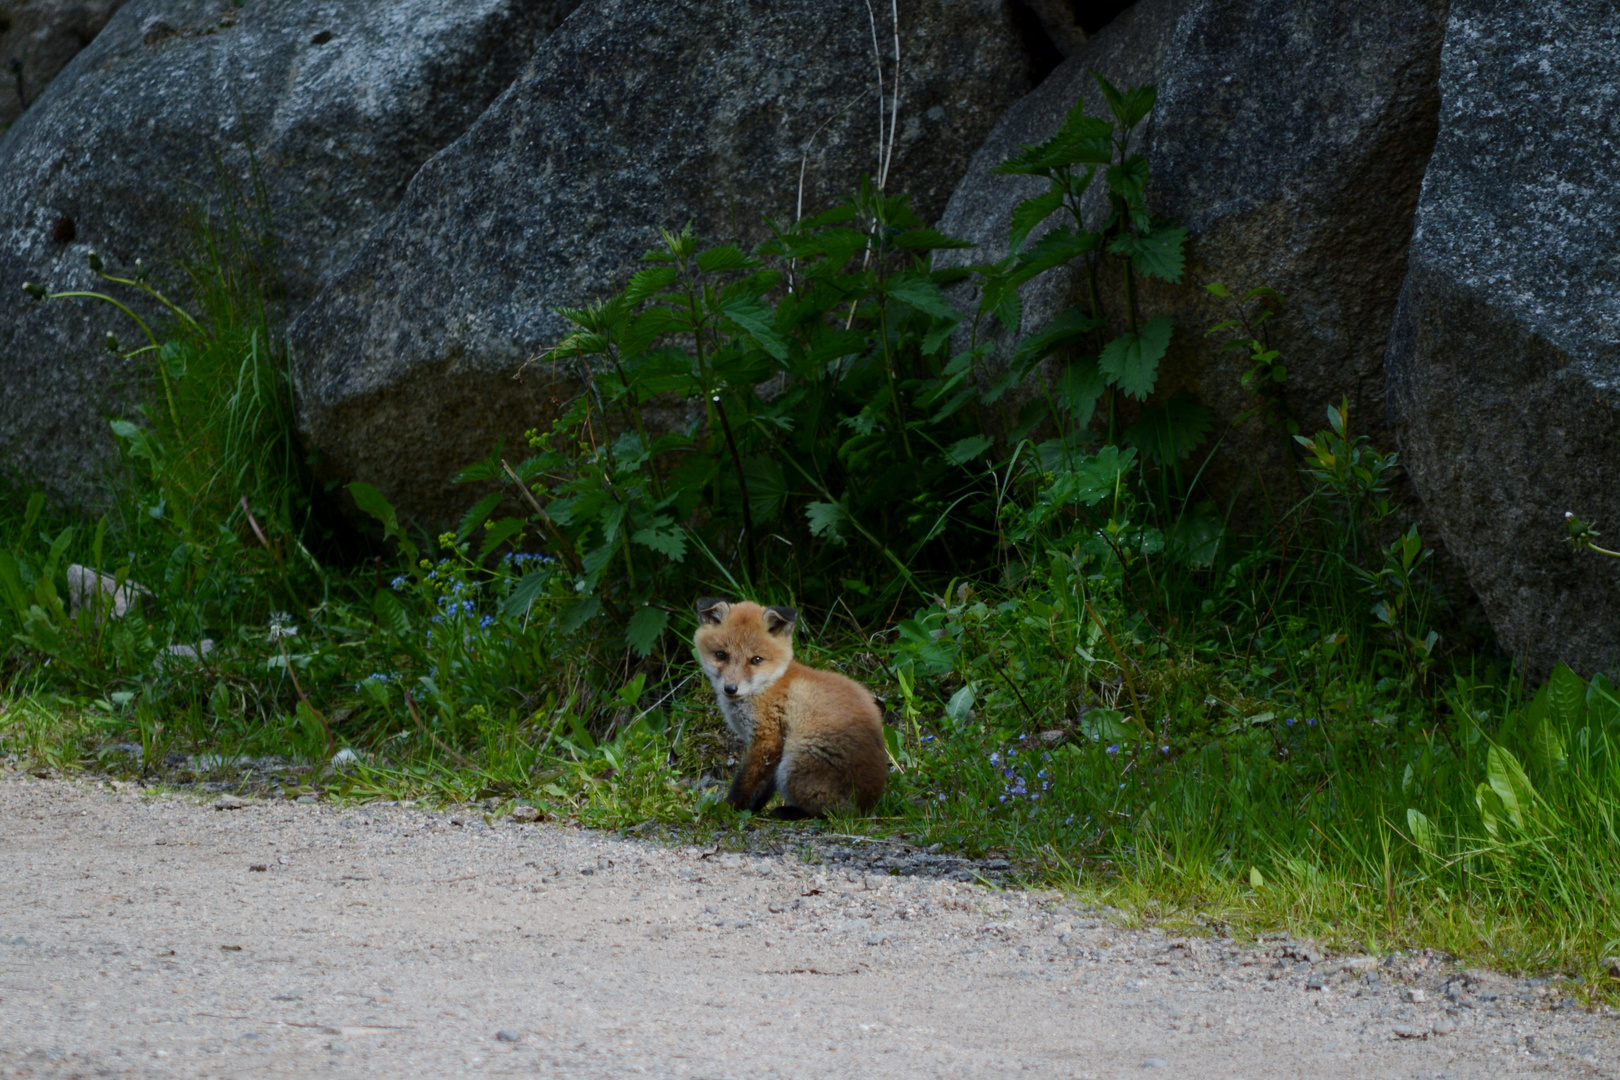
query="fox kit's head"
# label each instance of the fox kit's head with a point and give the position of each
(744, 647)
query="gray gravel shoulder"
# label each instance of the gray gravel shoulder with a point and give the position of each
(154, 936)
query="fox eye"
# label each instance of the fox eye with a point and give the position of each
(756, 660)
(720, 656)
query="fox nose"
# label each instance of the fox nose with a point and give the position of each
(731, 689)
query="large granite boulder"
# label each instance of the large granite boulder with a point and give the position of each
(1290, 138)
(1504, 361)
(37, 39)
(340, 100)
(637, 114)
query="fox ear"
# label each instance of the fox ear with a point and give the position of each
(780, 620)
(712, 610)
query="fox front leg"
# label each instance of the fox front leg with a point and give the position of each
(755, 781)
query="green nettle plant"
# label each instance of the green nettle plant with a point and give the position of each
(806, 370)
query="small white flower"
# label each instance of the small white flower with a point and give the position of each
(281, 626)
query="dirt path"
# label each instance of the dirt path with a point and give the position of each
(153, 936)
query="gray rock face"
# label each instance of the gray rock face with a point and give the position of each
(1504, 362)
(1290, 138)
(37, 39)
(637, 114)
(341, 101)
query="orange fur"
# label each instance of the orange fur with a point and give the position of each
(815, 736)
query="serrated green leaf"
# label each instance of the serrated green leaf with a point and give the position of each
(645, 283)
(663, 537)
(757, 321)
(965, 450)
(644, 629)
(498, 534)
(578, 614)
(524, 593)
(1030, 213)
(1055, 248)
(1068, 327)
(1170, 431)
(1130, 107)
(921, 294)
(1131, 361)
(939, 335)
(475, 516)
(726, 257)
(825, 520)
(1160, 253)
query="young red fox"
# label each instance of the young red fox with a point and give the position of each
(815, 736)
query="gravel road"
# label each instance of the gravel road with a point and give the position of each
(153, 936)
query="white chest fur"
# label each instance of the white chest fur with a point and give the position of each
(739, 714)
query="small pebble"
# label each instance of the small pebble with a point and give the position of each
(525, 813)
(505, 1035)
(228, 802)
(1407, 1031)
(308, 798)
(1416, 996)
(1155, 1063)
(1444, 1027)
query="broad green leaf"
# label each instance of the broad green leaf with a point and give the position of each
(578, 614)
(1194, 538)
(663, 537)
(961, 704)
(1055, 248)
(939, 335)
(1566, 695)
(1508, 780)
(1131, 361)
(1602, 704)
(921, 294)
(965, 450)
(1492, 813)
(1256, 879)
(1066, 328)
(728, 257)
(644, 629)
(1168, 432)
(825, 519)
(1160, 253)
(645, 283)
(476, 515)
(757, 321)
(929, 240)
(1030, 213)
(498, 534)
(371, 501)
(1422, 830)
(524, 593)
(1130, 107)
